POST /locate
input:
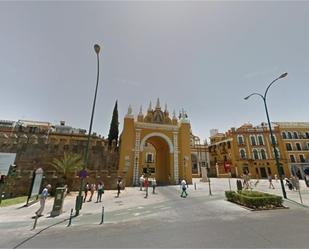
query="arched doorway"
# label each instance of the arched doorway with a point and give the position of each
(158, 147)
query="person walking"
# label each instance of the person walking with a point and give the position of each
(154, 184)
(92, 190)
(100, 191)
(141, 182)
(184, 188)
(43, 197)
(119, 183)
(86, 189)
(146, 186)
(270, 179)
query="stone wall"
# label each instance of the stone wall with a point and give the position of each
(102, 165)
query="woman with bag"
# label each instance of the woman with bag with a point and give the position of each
(100, 191)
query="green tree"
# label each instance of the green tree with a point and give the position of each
(113, 130)
(67, 166)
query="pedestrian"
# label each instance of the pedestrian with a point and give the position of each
(141, 182)
(146, 186)
(154, 184)
(270, 179)
(289, 184)
(100, 191)
(184, 188)
(295, 182)
(86, 189)
(276, 177)
(257, 181)
(43, 197)
(92, 190)
(119, 183)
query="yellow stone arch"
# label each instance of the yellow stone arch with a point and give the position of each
(169, 137)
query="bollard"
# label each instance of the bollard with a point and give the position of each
(70, 220)
(102, 217)
(195, 186)
(35, 221)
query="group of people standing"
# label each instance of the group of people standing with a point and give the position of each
(92, 188)
(145, 182)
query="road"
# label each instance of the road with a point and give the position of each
(199, 221)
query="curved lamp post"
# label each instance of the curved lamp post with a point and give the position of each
(79, 198)
(270, 129)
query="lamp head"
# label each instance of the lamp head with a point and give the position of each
(283, 75)
(97, 48)
(247, 97)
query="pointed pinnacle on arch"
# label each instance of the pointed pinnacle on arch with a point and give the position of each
(150, 106)
(158, 104)
(140, 111)
(129, 110)
(174, 114)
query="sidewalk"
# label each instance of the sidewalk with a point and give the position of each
(130, 205)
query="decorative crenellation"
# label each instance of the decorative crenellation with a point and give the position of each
(157, 116)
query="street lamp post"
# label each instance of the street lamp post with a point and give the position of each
(86, 149)
(270, 129)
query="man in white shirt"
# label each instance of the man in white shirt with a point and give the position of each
(43, 197)
(184, 188)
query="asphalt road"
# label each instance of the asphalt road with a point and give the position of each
(198, 221)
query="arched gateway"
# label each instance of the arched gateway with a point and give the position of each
(157, 144)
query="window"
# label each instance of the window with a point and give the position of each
(255, 154)
(288, 146)
(292, 158)
(295, 134)
(307, 134)
(289, 135)
(298, 146)
(149, 158)
(284, 135)
(263, 154)
(302, 159)
(228, 145)
(261, 140)
(278, 152)
(271, 141)
(240, 139)
(253, 142)
(242, 153)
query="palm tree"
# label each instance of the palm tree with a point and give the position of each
(69, 164)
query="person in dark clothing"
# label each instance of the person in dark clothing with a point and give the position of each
(86, 189)
(100, 191)
(119, 183)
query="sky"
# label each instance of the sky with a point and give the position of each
(202, 56)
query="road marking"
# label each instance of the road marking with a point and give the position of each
(162, 208)
(122, 213)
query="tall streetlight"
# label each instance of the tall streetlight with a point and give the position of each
(79, 198)
(270, 130)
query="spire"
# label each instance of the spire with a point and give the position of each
(140, 111)
(158, 104)
(129, 110)
(165, 108)
(150, 107)
(174, 114)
